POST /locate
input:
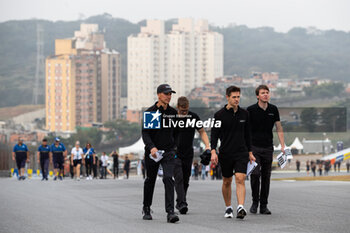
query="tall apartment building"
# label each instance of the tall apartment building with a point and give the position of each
(82, 81)
(189, 56)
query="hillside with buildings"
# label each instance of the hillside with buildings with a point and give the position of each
(298, 54)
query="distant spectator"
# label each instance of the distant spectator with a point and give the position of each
(203, 172)
(298, 165)
(307, 167)
(348, 166)
(126, 167)
(115, 156)
(313, 167)
(320, 165)
(339, 163)
(327, 167)
(196, 170)
(143, 168)
(95, 166)
(104, 161)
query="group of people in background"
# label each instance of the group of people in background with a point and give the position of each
(56, 154)
(321, 166)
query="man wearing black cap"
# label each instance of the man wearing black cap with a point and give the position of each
(263, 116)
(184, 158)
(160, 138)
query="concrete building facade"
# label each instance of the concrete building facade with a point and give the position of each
(189, 56)
(83, 82)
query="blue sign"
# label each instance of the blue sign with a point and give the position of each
(151, 120)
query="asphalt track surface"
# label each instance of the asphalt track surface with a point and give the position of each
(115, 206)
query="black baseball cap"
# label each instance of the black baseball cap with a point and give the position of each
(164, 88)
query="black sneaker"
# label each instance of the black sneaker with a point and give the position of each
(60, 177)
(264, 210)
(241, 213)
(147, 213)
(172, 217)
(183, 209)
(55, 178)
(254, 208)
(229, 213)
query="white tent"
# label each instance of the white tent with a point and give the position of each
(136, 148)
(278, 148)
(297, 144)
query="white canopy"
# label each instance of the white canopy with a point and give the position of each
(279, 147)
(136, 148)
(297, 144)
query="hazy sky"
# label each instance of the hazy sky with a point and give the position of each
(280, 14)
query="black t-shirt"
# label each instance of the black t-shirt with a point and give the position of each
(115, 158)
(234, 132)
(262, 122)
(186, 135)
(127, 164)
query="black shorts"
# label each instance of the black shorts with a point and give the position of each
(21, 161)
(58, 161)
(76, 162)
(234, 163)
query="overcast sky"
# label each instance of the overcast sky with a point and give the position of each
(279, 14)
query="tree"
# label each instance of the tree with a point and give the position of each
(309, 119)
(122, 132)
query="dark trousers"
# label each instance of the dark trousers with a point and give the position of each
(261, 172)
(88, 166)
(152, 170)
(182, 174)
(143, 173)
(126, 173)
(44, 163)
(94, 170)
(115, 169)
(104, 172)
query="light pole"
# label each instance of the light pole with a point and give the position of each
(323, 150)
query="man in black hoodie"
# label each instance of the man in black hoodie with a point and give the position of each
(163, 138)
(235, 149)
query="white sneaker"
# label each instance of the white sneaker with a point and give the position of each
(90, 177)
(229, 213)
(87, 178)
(241, 212)
(78, 179)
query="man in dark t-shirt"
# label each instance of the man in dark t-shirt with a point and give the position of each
(235, 149)
(115, 157)
(126, 167)
(184, 158)
(263, 116)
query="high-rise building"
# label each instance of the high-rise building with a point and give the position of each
(189, 56)
(82, 81)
